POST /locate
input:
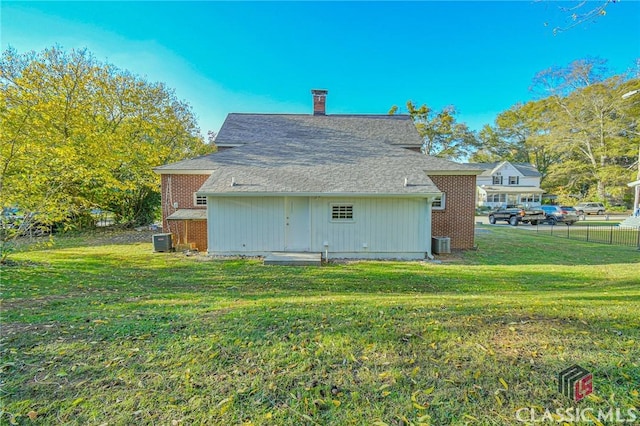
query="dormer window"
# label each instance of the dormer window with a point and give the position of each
(497, 180)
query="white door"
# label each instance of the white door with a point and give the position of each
(297, 224)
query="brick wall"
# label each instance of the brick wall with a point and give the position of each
(189, 232)
(179, 189)
(457, 220)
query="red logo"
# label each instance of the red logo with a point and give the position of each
(583, 387)
(575, 382)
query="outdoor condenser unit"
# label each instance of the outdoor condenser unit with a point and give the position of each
(162, 242)
(441, 245)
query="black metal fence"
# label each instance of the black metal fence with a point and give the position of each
(607, 234)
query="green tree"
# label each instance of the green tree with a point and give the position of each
(522, 134)
(591, 127)
(442, 136)
(79, 134)
(581, 134)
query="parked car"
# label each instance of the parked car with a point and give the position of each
(564, 214)
(515, 214)
(590, 208)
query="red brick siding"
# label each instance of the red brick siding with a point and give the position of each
(457, 220)
(179, 189)
(189, 232)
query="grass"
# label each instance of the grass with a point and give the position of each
(115, 334)
(611, 234)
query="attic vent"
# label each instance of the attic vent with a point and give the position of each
(342, 212)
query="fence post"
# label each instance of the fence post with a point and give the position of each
(610, 234)
(587, 233)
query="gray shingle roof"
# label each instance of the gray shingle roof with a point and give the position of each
(319, 154)
(251, 128)
(202, 163)
(513, 189)
(188, 214)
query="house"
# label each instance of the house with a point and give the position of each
(348, 186)
(503, 183)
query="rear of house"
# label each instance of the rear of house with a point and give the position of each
(348, 186)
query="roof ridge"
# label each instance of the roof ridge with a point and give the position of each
(312, 115)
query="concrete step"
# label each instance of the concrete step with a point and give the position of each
(630, 222)
(293, 259)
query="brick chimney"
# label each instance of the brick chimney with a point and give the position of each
(319, 101)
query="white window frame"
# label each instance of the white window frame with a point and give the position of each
(197, 198)
(497, 180)
(516, 180)
(343, 209)
(440, 202)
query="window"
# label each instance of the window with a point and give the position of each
(514, 180)
(342, 212)
(496, 198)
(438, 202)
(529, 198)
(497, 180)
(200, 200)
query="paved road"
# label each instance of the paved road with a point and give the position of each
(613, 218)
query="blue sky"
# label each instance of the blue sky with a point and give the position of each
(224, 57)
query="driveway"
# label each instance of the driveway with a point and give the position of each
(613, 218)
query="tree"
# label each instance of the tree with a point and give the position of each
(581, 134)
(442, 136)
(580, 12)
(521, 135)
(79, 134)
(591, 126)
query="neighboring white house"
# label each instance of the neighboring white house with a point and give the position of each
(504, 183)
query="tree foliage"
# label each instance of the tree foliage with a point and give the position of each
(442, 136)
(578, 12)
(522, 134)
(582, 135)
(591, 126)
(80, 134)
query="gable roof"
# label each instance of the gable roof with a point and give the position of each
(525, 168)
(304, 154)
(240, 129)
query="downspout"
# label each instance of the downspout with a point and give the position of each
(428, 226)
(209, 228)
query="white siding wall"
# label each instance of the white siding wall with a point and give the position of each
(506, 171)
(524, 181)
(389, 227)
(245, 224)
(385, 225)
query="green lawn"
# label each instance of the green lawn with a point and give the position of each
(116, 334)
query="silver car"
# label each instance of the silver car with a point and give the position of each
(590, 208)
(564, 214)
